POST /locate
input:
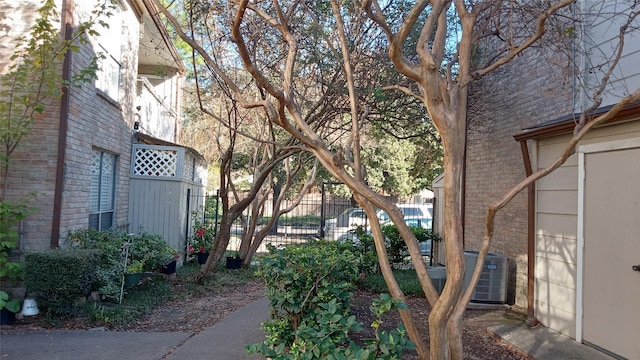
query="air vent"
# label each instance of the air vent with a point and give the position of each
(492, 285)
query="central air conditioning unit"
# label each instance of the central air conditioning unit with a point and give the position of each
(492, 284)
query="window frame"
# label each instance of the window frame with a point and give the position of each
(99, 213)
(109, 74)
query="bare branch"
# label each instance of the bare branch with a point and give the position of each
(404, 90)
(396, 41)
(539, 32)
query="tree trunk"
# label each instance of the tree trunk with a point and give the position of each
(276, 186)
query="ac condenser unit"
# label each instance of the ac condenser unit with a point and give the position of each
(492, 285)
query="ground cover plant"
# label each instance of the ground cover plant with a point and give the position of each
(155, 294)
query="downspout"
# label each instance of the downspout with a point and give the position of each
(531, 238)
(67, 11)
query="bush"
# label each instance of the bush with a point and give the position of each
(11, 213)
(60, 278)
(309, 288)
(109, 266)
(150, 250)
(396, 247)
(363, 245)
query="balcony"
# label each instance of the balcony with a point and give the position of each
(158, 109)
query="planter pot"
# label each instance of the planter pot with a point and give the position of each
(7, 317)
(202, 257)
(131, 279)
(234, 263)
(170, 268)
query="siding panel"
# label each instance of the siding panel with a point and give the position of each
(558, 202)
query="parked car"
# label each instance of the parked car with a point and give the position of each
(341, 224)
(409, 210)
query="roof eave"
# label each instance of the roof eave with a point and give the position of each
(566, 124)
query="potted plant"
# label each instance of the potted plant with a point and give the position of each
(133, 272)
(171, 260)
(201, 241)
(233, 260)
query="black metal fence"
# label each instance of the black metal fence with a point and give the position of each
(308, 220)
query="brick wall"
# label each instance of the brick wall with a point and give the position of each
(94, 122)
(98, 122)
(32, 169)
(527, 91)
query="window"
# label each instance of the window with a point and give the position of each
(110, 66)
(101, 198)
(109, 76)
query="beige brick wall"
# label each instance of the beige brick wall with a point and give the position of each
(525, 92)
(94, 122)
(97, 122)
(32, 165)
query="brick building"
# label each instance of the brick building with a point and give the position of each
(78, 159)
(502, 104)
(581, 227)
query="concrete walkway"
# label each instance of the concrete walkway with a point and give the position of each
(223, 341)
(226, 341)
(543, 344)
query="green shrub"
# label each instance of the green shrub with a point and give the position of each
(396, 247)
(11, 213)
(109, 267)
(60, 277)
(150, 250)
(309, 287)
(363, 245)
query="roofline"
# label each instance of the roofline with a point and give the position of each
(154, 14)
(566, 124)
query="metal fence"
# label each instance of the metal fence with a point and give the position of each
(297, 226)
(308, 220)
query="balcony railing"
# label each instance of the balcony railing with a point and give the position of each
(157, 115)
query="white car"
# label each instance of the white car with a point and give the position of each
(409, 210)
(343, 223)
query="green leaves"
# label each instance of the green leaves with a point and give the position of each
(34, 78)
(12, 305)
(11, 213)
(309, 288)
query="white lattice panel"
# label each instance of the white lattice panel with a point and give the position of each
(155, 162)
(94, 195)
(189, 166)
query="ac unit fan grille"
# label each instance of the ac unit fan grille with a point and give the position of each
(491, 286)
